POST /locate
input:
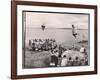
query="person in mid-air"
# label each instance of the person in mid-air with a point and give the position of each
(43, 27)
(74, 32)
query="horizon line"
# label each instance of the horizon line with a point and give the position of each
(57, 28)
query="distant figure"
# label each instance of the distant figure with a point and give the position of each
(83, 50)
(43, 27)
(74, 32)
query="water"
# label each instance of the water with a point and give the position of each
(60, 35)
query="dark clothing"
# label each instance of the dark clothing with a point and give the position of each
(54, 59)
(75, 35)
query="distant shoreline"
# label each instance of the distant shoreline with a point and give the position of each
(54, 28)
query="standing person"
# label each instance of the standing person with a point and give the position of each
(84, 51)
(36, 45)
(33, 46)
(74, 33)
(60, 50)
(54, 59)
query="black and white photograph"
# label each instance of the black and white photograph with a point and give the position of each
(53, 39)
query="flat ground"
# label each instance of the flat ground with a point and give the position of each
(42, 59)
(37, 59)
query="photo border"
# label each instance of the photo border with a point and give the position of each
(14, 38)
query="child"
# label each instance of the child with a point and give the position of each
(64, 61)
(83, 50)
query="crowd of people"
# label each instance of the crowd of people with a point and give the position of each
(38, 45)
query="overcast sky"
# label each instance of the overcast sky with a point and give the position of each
(55, 20)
